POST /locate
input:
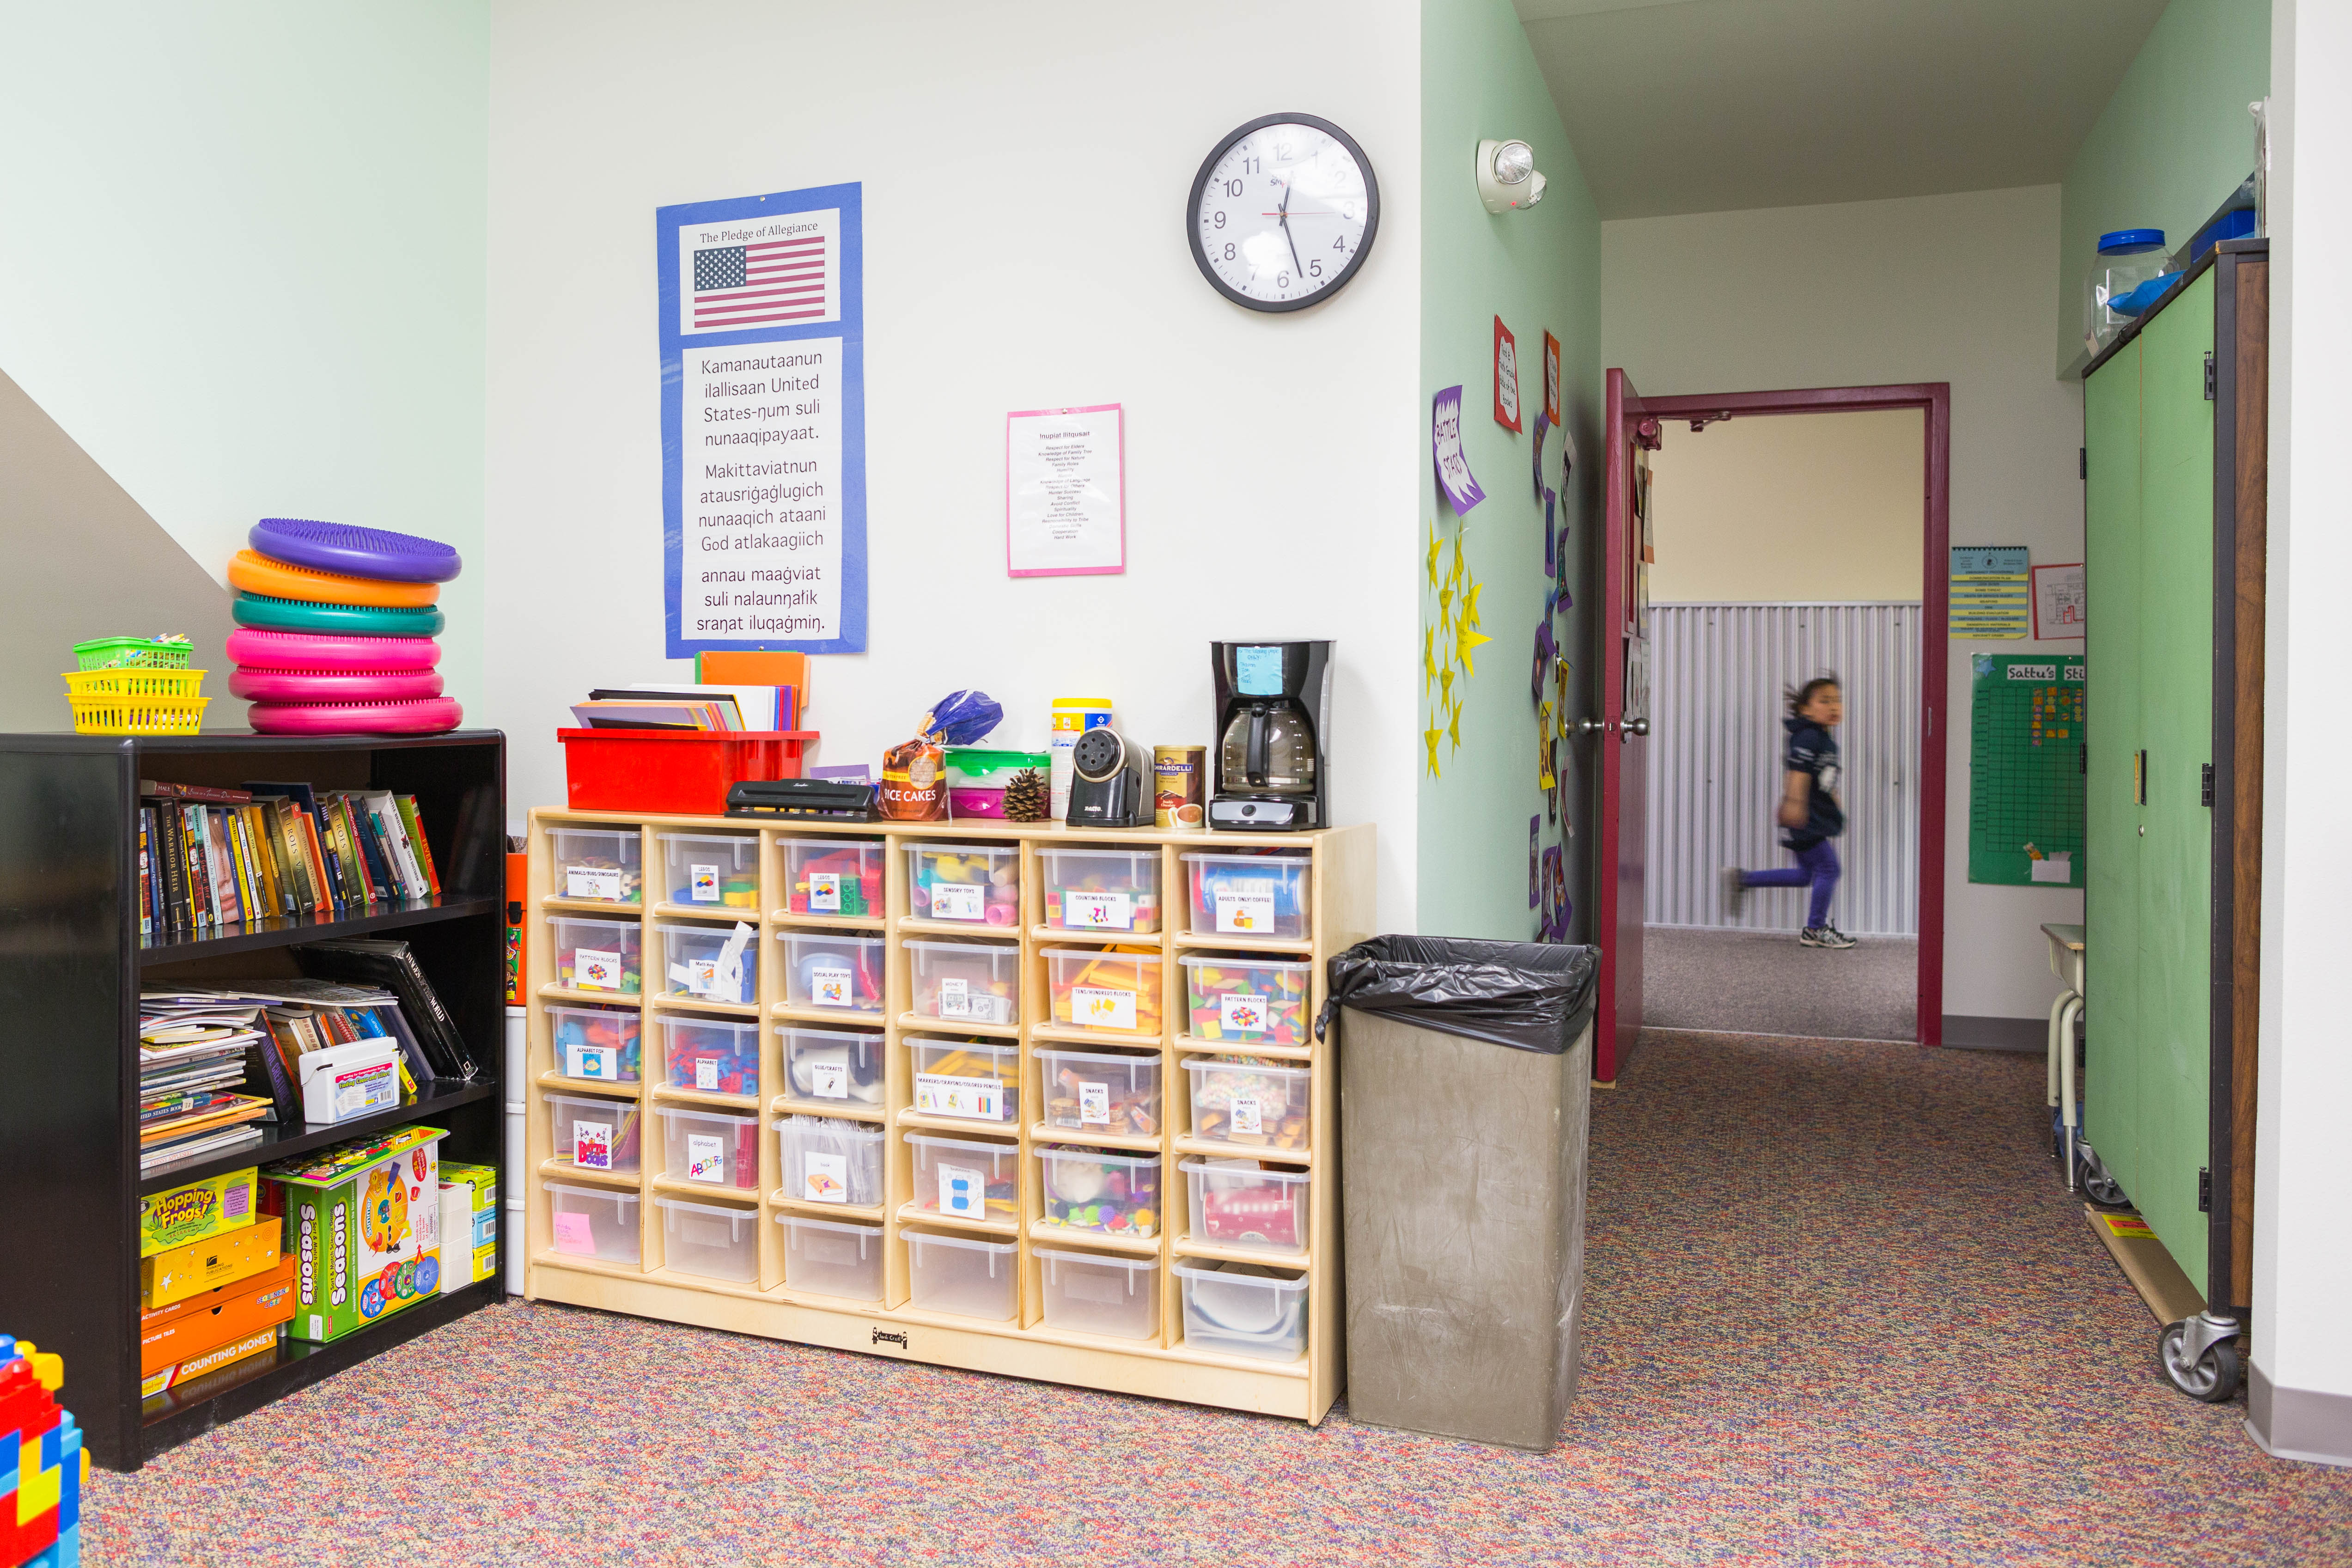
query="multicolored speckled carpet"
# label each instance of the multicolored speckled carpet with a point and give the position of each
(1840, 1311)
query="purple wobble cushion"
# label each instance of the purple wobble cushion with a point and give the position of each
(355, 551)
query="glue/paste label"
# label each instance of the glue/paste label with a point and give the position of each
(964, 1192)
(955, 997)
(592, 1145)
(1097, 911)
(1094, 1104)
(595, 969)
(593, 882)
(829, 1080)
(958, 901)
(574, 1236)
(706, 1158)
(824, 892)
(824, 1178)
(1246, 907)
(1098, 1007)
(702, 884)
(943, 1094)
(706, 1073)
(1242, 1015)
(592, 1062)
(1246, 1115)
(832, 985)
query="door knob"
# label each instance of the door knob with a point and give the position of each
(1636, 726)
(1592, 726)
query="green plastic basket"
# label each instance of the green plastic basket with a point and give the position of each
(131, 653)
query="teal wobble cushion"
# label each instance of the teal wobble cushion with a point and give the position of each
(269, 614)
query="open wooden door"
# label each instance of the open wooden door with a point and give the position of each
(1619, 736)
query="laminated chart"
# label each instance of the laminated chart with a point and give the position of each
(2026, 754)
(1993, 595)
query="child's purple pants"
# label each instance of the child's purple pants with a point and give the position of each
(1818, 866)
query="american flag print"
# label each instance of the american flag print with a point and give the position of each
(760, 282)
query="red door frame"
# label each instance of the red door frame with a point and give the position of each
(1935, 398)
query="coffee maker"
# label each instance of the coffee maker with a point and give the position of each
(1274, 713)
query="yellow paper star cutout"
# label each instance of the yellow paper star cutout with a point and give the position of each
(1445, 684)
(1470, 604)
(1466, 642)
(1432, 736)
(1435, 545)
(1445, 607)
(1453, 727)
(1428, 655)
(1456, 573)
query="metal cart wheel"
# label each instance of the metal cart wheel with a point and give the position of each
(2199, 1357)
(2096, 1182)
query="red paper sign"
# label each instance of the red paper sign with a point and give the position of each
(1507, 377)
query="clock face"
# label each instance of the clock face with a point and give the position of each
(1284, 212)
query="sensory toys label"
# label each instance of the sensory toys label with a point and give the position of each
(363, 1223)
(958, 901)
(191, 1213)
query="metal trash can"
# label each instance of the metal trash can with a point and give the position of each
(1466, 1087)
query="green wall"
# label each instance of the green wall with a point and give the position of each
(2172, 143)
(1540, 271)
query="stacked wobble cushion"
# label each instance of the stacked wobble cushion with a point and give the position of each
(335, 630)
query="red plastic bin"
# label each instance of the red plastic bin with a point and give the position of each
(683, 772)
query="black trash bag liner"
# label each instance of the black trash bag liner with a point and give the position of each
(1529, 995)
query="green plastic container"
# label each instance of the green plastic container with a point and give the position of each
(131, 653)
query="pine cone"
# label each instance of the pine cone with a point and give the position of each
(1025, 797)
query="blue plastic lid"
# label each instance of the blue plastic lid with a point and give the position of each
(2125, 240)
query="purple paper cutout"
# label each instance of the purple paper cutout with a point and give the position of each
(1453, 476)
(1543, 425)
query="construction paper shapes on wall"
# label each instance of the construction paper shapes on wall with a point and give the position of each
(1453, 475)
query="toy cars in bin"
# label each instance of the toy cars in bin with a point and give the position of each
(719, 870)
(842, 973)
(1097, 1294)
(829, 1161)
(978, 884)
(711, 964)
(962, 1275)
(596, 1045)
(964, 1178)
(1113, 989)
(833, 876)
(596, 863)
(967, 982)
(832, 1258)
(710, 1146)
(1249, 1101)
(1241, 1202)
(1248, 895)
(711, 1240)
(593, 1222)
(597, 955)
(1253, 1000)
(1102, 1091)
(1102, 890)
(1101, 1190)
(1244, 1308)
(977, 1080)
(843, 1065)
(710, 1055)
(596, 1134)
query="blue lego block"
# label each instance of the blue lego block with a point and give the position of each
(70, 1502)
(68, 1548)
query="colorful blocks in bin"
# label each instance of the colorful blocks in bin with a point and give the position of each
(1102, 889)
(839, 877)
(596, 864)
(597, 1046)
(711, 964)
(1101, 1190)
(716, 870)
(970, 884)
(1114, 989)
(1259, 1001)
(598, 956)
(711, 1056)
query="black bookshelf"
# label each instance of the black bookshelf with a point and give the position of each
(72, 960)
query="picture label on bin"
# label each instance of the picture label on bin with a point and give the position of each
(958, 901)
(1241, 1014)
(602, 882)
(830, 985)
(1244, 1115)
(592, 1145)
(592, 1062)
(955, 997)
(706, 1158)
(963, 1192)
(1099, 1008)
(824, 892)
(1245, 908)
(824, 1178)
(940, 1094)
(702, 884)
(595, 969)
(706, 1073)
(828, 1080)
(1094, 1104)
(572, 1235)
(1097, 911)
(699, 975)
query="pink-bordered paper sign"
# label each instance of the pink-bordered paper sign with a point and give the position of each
(1065, 491)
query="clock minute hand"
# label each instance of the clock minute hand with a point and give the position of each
(1297, 266)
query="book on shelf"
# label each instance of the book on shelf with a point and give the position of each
(758, 707)
(656, 710)
(205, 1050)
(391, 964)
(212, 858)
(788, 672)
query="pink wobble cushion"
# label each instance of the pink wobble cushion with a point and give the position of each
(331, 685)
(323, 650)
(425, 716)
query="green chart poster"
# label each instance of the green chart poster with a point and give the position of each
(2025, 770)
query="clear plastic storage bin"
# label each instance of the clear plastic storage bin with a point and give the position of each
(2125, 261)
(599, 863)
(593, 1222)
(827, 1161)
(1239, 1203)
(711, 964)
(712, 870)
(832, 1258)
(707, 1239)
(976, 884)
(1244, 1308)
(1101, 1190)
(1248, 895)
(961, 1178)
(711, 1056)
(1102, 1091)
(597, 955)
(1254, 1000)
(1102, 890)
(833, 877)
(710, 1147)
(1249, 1103)
(595, 1045)
(967, 982)
(1105, 988)
(843, 973)
(1094, 1294)
(976, 1079)
(833, 1065)
(596, 1134)
(962, 1275)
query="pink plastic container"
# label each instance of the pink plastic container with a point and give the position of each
(425, 716)
(333, 685)
(321, 650)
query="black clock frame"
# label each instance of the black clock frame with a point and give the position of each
(1363, 246)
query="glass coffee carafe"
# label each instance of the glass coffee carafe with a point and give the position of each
(1267, 746)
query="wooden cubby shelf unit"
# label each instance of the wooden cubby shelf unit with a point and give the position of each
(1341, 913)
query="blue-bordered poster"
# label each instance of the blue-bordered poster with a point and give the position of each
(764, 422)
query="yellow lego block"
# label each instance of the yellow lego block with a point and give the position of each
(39, 1491)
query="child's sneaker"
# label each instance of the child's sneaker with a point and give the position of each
(1734, 890)
(1824, 936)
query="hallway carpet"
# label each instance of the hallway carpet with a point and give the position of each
(1840, 1311)
(1763, 983)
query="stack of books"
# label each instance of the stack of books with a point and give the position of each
(211, 857)
(195, 1058)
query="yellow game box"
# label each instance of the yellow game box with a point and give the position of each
(200, 1209)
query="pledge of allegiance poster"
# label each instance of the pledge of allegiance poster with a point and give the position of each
(764, 422)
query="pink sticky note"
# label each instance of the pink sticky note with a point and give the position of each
(572, 1234)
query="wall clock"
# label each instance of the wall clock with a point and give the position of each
(1283, 212)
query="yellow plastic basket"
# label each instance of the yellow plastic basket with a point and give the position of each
(135, 701)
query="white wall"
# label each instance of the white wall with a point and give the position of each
(1025, 171)
(1953, 289)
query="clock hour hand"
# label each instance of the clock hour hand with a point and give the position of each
(1297, 267)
